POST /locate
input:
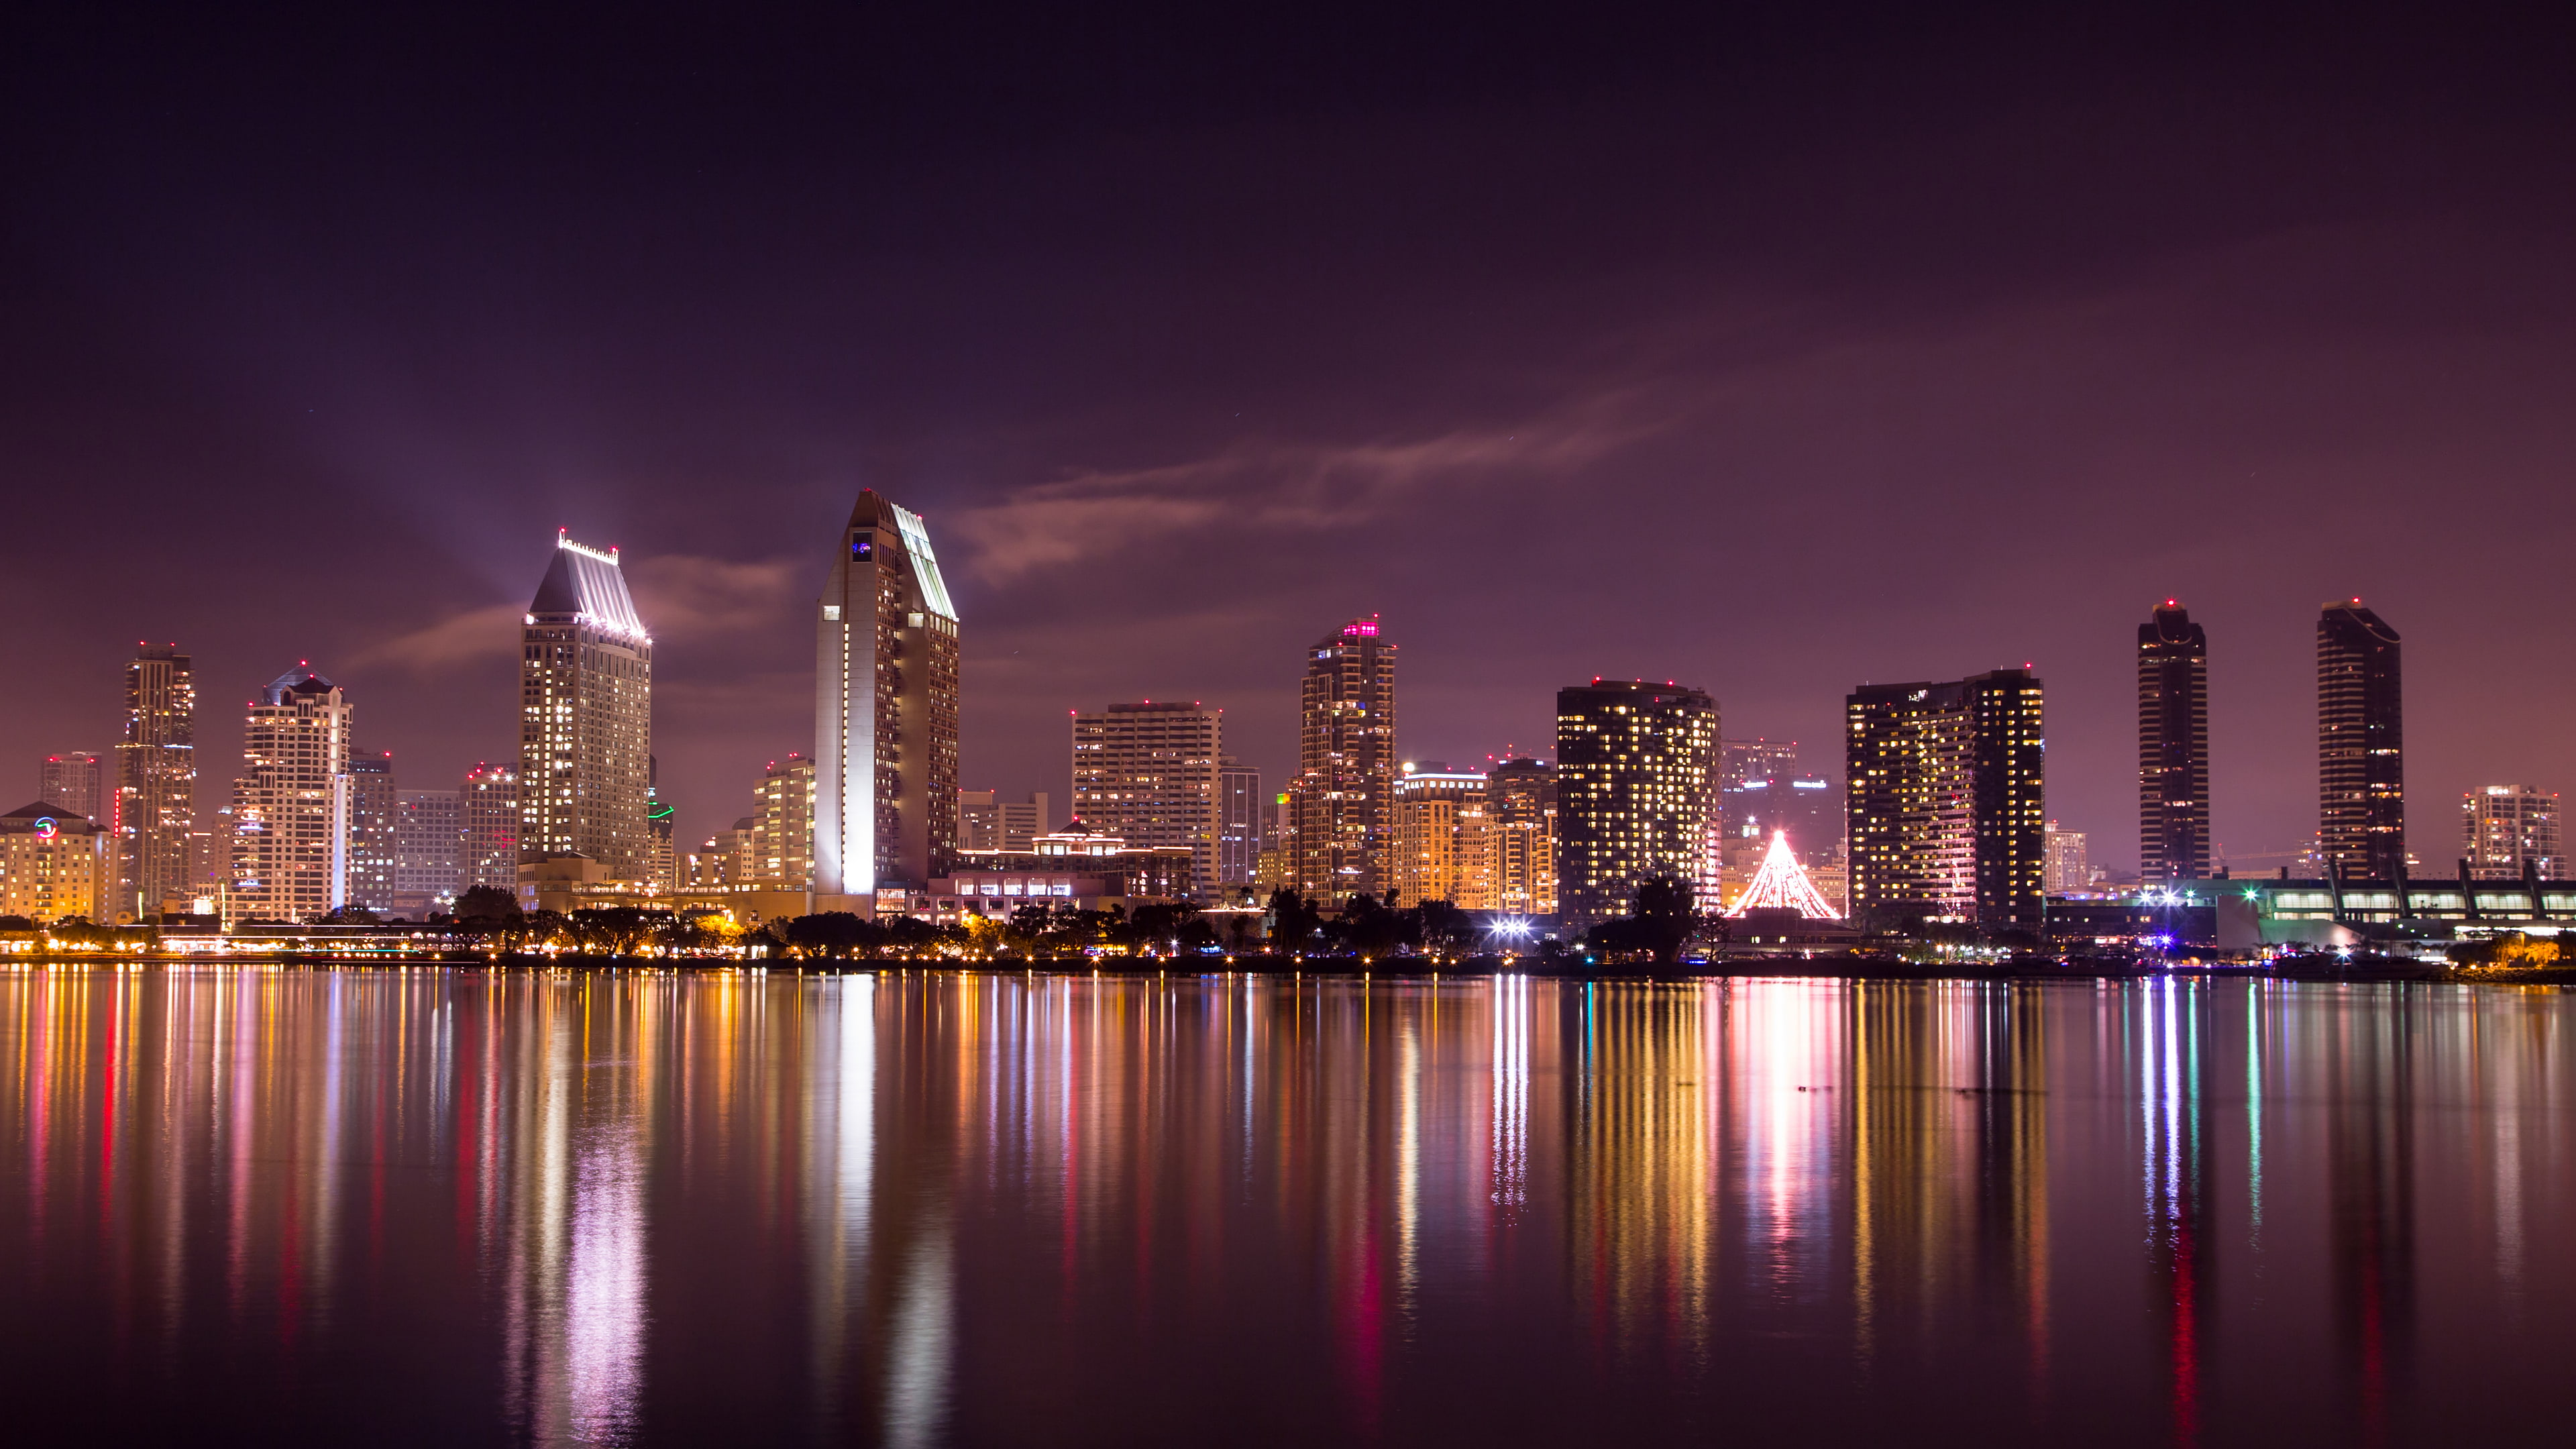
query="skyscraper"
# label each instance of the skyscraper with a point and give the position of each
(1757, 759)
(1944, 796)
(1342, 799)
(1445, 841)
(71, 780)
(885, 712)
(2361, 745)
(367, 839)
(156, 781)
(291, 803)
(1636, 786)
(2505, 828)
(2173, 746)
(429, 852)
(585, 717)
(1239, 810)
(1520, 794)
(491, 809)
(661, 829)
(2067, 866)
(1148, 773)
(782, 830)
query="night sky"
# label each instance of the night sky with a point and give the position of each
(1771, 350)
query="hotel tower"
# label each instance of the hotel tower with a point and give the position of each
(2173, 746)
(885, 712)
(585, 717)
(156, 782)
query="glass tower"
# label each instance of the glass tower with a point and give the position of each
(2173, 746)
(2361, 746)
(885, 712)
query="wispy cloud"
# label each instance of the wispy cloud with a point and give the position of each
(471, 637)
(683, 598)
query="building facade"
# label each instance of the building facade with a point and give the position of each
(71, 780)
(2361, 745)
(2068, 863)
(491, 807)
(1520, 798)
(782, 825)
(2173, 746)
(54, 865)
(1945, 809)
(1446, 847)
(429, 852)
(1147, 773)
(368, 840)
(585, 717)
(156, 782)
(2509, 830)
(1636, 787)
(1342, 800)
(1239, 812)
(291, 802)
(885, 711)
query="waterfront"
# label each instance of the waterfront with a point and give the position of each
(585, 1207)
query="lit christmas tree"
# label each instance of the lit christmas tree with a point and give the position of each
(1782, 885)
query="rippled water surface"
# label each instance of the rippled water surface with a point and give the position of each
(484, 1208)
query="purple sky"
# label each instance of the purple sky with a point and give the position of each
(1768, 355)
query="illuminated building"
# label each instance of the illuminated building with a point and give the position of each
(291, 803)
(885, 712)
(979, 820)
(2508, 831)
(586, 717)
(1342, 799)
(491, 808)
(782, 825)
(429, 852)
(1768, 794)
(1147, 773)
(1520, 797)
(1445, 841)
(1780, 885)
(2068, 867)
(1756, 759)
(728, 858)
(1944, 789)
(156, 782)
(2173, 746)
(371, 810)
(71, 780)
(54, 865)
(662, 856)
(1239, 837)
(2361, 745)
(1636, 789)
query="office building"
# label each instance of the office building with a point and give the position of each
(1342, 799)
(885, 712)
(1520, 799)
(156, 783)
(1636, 787)
(368, 839)
(1754, 759)
(1147, 773)
(782, 824)
(71, 780)
(2067, 865)
(1446, 846)
(979, 820)
(1945, 816)
(291, 802)
(429, 852)
(2173, 746)
(2361, 745)
(2510, 830)
(1240, 809)
(586, 717)
(54, 865)
(661, 826)
(491, 809)
(728, 858)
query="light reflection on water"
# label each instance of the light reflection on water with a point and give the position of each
(591, 1210)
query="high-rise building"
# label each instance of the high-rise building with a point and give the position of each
(1445, 842)
(54, 865)
(1147, 773)
(156, 782)
(782, 829)
(1342, 799)
(661, 827)
(1239, 811)
(2508, 828)
(1520, 795)
(2067, 865)
(1636, 785)
(71, 780)
(291, 803)
(885, 712)
(2361, 745)
(979, 820)
(1756, 759)
(491, 809)
(585, 717)
(429, 852)
(1945, 812)
(2173, 746)
(368, 839)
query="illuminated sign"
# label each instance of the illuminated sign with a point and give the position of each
(46, 829)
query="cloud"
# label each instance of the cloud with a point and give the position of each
(472, 637)
(683, 598)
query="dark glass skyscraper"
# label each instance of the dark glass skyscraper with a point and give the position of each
(885, 712)
(2173, 746)
(1636, 792)
(1945, 799)
(2361, 745)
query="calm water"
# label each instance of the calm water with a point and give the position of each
(471, 1208)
